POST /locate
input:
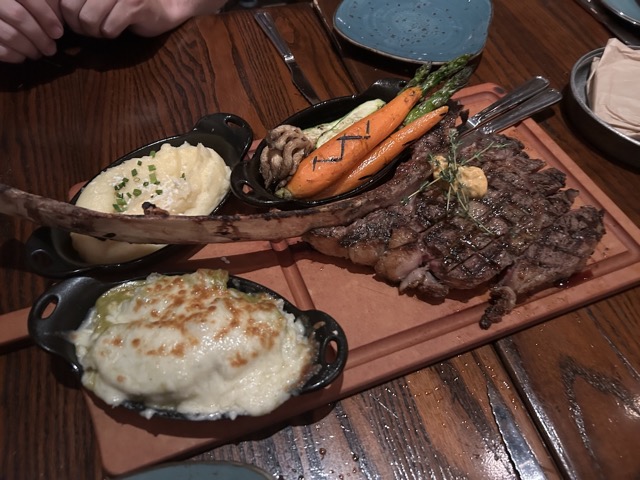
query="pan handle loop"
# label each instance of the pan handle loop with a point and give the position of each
(328, 334)
(233, 128)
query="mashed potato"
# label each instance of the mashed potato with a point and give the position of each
(191, 345)
(184, 180)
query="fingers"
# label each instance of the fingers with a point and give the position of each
(119, 18)
(47, 16)
(21, 34)
(88, 17)
(15, 47)
(9, 55)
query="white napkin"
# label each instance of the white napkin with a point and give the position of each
(613, 87)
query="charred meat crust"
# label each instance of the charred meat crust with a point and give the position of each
(522, 235)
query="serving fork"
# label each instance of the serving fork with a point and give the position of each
(529, 98)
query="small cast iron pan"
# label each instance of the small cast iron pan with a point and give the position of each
(50, 252)
(73, 298)
(247, 182)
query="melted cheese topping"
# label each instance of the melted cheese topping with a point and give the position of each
(184, 180)
(189, 344)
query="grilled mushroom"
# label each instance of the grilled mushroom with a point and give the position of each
(286, 147)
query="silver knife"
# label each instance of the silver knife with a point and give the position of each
(265, 20)
(519, 451)
(608, 20)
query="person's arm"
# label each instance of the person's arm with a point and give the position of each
(109, 18)
(28, 29)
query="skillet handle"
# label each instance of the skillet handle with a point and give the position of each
(232, 127)
(244, 175)
(43, 257)
(327, 333)
(54, 315)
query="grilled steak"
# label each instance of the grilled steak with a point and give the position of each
(520, 236)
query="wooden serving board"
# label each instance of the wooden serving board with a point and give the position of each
(389, 334)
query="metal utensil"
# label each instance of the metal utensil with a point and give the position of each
(524, 461)
(515, 97)
(265, 20)
(615, 26)
(518, 113)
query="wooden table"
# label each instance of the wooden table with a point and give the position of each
(572, 383)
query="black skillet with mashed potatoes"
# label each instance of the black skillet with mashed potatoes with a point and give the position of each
(51, 252)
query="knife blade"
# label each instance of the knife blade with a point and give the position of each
(607, 19)
(265, 20)
(520, 453)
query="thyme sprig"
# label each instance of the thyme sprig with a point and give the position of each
(448, 168)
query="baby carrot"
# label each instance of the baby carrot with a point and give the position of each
(343, 152)
(384, 153)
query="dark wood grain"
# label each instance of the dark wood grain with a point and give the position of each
(572, 383)
(586, 403)
(435, 423)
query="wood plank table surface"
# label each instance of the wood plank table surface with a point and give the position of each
(572, 383)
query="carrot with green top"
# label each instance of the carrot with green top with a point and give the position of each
(342, 153)
(384, 153)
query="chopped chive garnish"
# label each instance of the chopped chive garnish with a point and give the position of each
(145, 184)
(183, 176)
(121, 201)
(159, 192)
(139, 162)
(153, 178)
(152, 153)
(137, 192)
(117, 208)
(152, 168)
(128, 195)
(134, 172)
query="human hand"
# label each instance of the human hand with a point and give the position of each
(28, 29)
(109, 18)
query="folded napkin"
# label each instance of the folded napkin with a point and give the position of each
(613, 87)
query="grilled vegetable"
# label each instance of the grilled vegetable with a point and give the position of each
(384, 153)
(335, 158)
(342, 153)
(358, 113)
(440, 97)
(445, 71)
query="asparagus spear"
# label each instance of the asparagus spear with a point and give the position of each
(445, 71)
(420, 76)
(441, 96)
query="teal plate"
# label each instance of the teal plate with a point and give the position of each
(628, 10)
(198, 470)
(416, 31)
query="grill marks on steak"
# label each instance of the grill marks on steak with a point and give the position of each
(562, 249)
(523, 226)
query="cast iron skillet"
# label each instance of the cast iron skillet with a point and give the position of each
(247, 182)
(71, 300)
(50, 252)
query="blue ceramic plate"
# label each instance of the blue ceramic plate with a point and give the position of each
(194, 470)
(416, 31)
(628, 10)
